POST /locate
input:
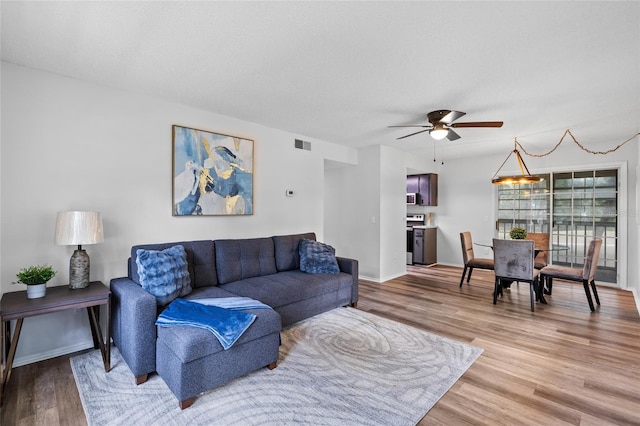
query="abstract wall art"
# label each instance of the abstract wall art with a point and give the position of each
(212, 173)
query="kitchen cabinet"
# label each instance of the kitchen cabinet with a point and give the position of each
(426, 185)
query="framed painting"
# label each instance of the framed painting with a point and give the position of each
(212, 173)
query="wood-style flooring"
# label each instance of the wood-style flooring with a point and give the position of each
(559, 365)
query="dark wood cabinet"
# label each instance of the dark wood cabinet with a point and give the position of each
(426, 185)
(413, 185)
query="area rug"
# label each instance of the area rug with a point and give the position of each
(343, 367)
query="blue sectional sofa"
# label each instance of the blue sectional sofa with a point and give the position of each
(190, 359)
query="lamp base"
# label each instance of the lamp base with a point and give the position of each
(79, 269)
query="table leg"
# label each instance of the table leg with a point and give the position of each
(105, 350)
(93, 333)
(12, 353)
(6, 339)
(107, 332)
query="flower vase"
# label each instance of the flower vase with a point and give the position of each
(36, 291)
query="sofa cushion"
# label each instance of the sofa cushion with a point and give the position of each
(289, 287)
(164, 273)
(200, 259)
(286, 248)
(244, 258)
(317, 258)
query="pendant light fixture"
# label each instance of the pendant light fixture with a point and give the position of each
(523, 178)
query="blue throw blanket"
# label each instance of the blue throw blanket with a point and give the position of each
(226, 324)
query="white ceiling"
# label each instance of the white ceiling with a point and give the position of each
(344, 71)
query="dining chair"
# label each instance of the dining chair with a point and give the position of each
(513, 261)
(541, 241)
(586, 274)
(470, 261)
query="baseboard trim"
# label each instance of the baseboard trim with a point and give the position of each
(30, 359)
(381, 280)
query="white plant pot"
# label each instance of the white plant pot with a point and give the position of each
(36, 291)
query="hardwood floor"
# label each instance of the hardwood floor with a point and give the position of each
(559, 365)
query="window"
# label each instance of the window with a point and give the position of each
(583, 205)
(525, 206)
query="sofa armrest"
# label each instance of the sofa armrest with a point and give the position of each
(350, 266)
(133, 317)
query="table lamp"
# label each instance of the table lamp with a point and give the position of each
(78, 228)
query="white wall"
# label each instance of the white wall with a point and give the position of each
(393, 213)
(354, 227)
(69, 145)
(465, 203)
(371, 221)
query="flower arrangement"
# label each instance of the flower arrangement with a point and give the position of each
(38, 274)
(518, 233)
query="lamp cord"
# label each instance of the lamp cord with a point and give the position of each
(582, 147)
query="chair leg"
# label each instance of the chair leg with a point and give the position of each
(588, 293)
(532, 290)
(549, 284)
(595, 292)
(469, 276)
(496, 286)
(464, 272)
(540, 291)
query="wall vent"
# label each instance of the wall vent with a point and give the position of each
(300, 144)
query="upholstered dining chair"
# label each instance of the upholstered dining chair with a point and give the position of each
(586, 274)
(513, 261)
(470, 261)
(541, 240)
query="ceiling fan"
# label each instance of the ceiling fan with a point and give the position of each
(442, 124)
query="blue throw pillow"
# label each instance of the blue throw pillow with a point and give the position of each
(165, 274)
(317, 258)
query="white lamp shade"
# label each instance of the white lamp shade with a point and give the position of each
(78, 228)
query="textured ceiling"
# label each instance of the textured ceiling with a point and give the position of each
(344, 71)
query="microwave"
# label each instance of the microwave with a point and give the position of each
(413, 198)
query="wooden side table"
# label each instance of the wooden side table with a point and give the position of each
(16, 306)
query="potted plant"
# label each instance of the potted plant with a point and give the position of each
(36, 277)
(518, 233)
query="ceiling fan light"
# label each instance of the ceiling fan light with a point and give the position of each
(439, 133)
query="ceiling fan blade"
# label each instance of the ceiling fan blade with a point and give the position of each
(412, 125)
(406, 136)
(478, 124)
(452, 136)
(451, 117)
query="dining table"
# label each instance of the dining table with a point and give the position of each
(536, 249)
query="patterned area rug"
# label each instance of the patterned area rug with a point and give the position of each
(343, 367)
